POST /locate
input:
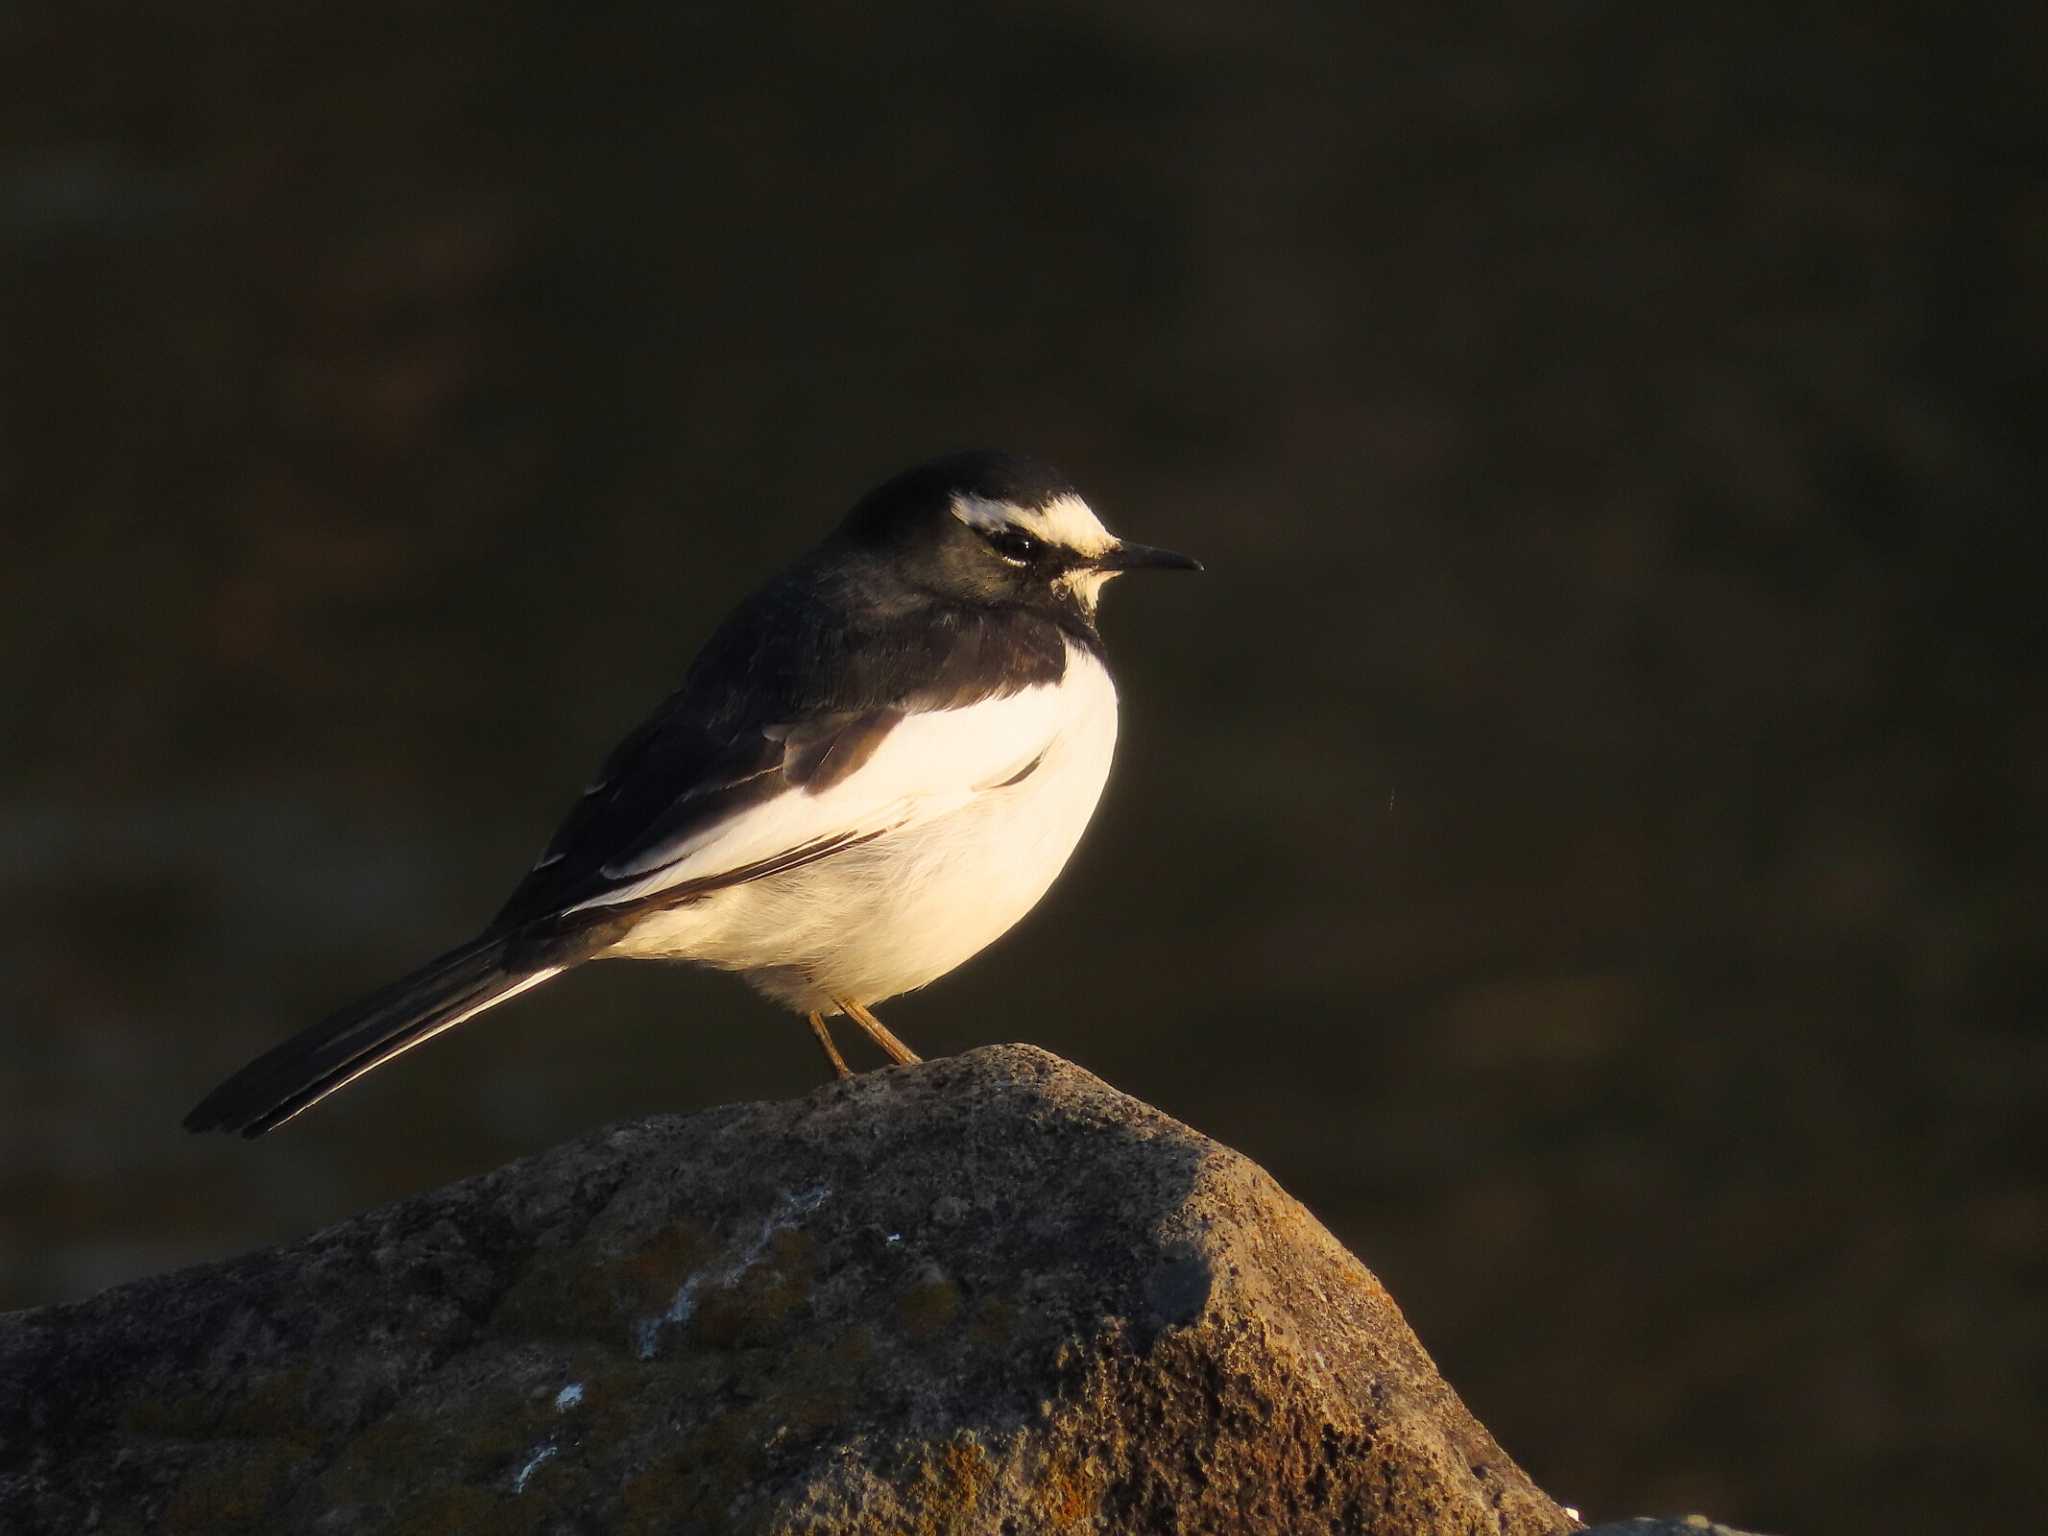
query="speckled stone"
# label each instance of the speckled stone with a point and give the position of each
(987, 1294)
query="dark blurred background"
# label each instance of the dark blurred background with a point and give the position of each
(1584, 835)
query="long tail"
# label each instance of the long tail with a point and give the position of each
(362, 1037)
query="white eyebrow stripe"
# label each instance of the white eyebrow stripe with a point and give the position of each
(1065, 521)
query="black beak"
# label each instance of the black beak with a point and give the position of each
(1143, 557)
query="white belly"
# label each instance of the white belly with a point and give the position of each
(901, 911)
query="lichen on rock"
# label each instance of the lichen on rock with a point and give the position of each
(985, 1294)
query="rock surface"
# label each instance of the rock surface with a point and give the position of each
(987, 1294)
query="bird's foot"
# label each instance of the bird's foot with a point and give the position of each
(839, 1066)
(879, 1032)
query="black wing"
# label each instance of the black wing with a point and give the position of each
(792, 694)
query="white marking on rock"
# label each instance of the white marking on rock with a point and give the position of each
(784, 1218)
(569, 1397)
(541, 1458)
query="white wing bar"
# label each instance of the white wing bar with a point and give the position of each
(927, 766)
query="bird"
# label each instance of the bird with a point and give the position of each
(875, 766)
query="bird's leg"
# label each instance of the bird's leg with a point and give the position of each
(839, 1066)
(878, 1032)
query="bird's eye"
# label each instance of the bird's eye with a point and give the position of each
(1015, 545)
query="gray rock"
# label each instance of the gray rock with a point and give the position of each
(988, 1294)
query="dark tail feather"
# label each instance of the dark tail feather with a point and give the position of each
(363, 1036)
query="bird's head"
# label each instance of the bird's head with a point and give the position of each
(997, 528)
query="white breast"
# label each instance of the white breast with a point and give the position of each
(962, 864)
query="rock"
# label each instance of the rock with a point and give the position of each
(987, 1294)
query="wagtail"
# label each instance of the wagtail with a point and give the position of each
(876, 766)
